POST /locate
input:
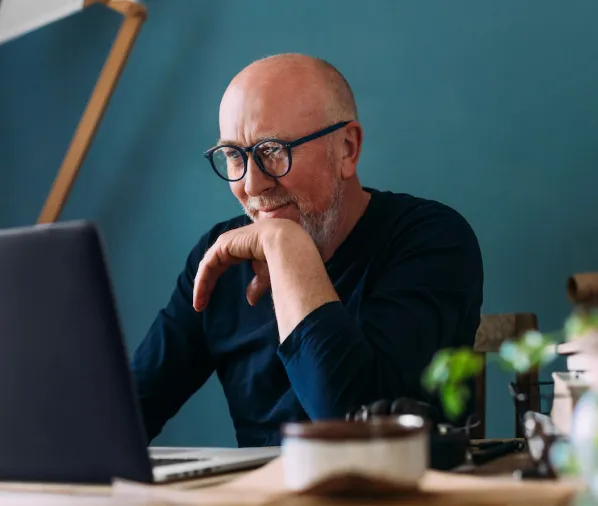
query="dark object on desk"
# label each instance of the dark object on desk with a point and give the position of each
(491, 450)
(450, 446)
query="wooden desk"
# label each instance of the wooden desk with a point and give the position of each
(33, 494)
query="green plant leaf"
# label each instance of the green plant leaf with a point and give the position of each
(563, 459)
(448, 373)
(514, 358)
(464, 364)
(437, 372)
(581, 322)
(533, 349)
(533, 340)
(451, 365)
(454, 398)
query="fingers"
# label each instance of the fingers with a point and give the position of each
(205, 281)
(232, 247)
(260, 284)
(211, 267)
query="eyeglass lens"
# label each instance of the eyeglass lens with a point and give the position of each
(230, 162)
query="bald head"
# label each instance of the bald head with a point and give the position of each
(339, 97)
(300, 86)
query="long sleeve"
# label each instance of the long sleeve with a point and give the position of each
(426, 296)
(173, 361)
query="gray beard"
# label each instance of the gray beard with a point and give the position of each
(321, 227)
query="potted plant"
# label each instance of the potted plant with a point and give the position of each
(450, 370)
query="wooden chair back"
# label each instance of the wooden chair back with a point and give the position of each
(494, 330)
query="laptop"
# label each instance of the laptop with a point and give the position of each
(68, 411)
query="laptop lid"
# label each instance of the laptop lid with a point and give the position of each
(67, 407)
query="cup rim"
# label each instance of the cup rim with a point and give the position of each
(376, 427)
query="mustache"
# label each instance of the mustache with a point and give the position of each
(268, 201)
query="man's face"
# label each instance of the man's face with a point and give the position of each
(310, 194)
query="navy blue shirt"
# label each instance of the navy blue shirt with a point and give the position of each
(409, 277)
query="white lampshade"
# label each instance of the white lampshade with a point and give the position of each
(18, 17)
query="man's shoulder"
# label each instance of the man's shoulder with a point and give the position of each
(435, 232)
(421, 225)
(418, 214)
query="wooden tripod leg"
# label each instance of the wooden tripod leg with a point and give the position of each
(93, 114)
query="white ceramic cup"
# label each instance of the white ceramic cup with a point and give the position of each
(393, 449)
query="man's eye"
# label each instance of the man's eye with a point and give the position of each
(233, 154)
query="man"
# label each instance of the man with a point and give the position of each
(327, 295)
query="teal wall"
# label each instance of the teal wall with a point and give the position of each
(491, 107)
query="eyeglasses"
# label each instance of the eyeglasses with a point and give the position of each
(273, 156)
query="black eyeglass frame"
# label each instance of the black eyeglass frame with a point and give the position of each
(209, 154)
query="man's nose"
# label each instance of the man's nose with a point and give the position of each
(256, 182)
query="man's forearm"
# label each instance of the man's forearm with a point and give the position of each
(299, 280)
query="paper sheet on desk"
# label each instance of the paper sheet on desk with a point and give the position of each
(266, 485)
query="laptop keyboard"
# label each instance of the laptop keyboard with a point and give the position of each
(169, 461)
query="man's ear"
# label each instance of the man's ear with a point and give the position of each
(352, 141)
